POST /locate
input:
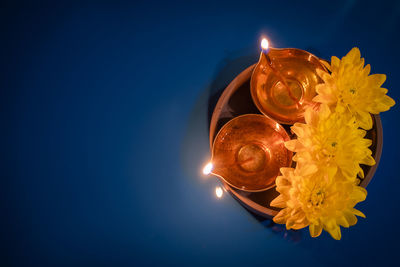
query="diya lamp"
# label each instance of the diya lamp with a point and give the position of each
(283, 82)
(248, 152)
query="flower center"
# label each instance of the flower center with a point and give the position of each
(317, 198)
(348, 97)
(329, 149)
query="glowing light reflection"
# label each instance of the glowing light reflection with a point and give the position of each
(219, 192)
(208, 168)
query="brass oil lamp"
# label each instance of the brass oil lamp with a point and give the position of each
(283, 83)
(248, 152)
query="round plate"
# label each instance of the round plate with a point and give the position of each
(249, 151)
(235, 101)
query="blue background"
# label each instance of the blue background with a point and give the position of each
(104, 130)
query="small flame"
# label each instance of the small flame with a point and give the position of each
(219, 192)
(208, 168)
(264, 44)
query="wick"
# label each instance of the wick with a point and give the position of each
(281, 78)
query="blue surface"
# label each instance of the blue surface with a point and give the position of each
(104, 132)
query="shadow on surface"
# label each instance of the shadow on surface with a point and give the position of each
(226, 71)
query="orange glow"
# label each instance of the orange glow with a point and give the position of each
(219, 192)
(208, 168)
(264, 44)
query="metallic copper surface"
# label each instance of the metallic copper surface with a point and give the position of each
(283, 83)
(248, 152)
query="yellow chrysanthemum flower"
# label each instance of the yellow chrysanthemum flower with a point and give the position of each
(350, 88)
(316, 201)
(330, 142)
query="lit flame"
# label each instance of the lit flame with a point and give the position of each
(264, 44)
(208, 168)
(219, 192)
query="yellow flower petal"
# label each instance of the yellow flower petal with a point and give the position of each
(350, 218)
(278, 202)
(293, 145)
(335, 232)
(286, 172)
(353, 55)
(315, 230)
(335, 63)
(368, 160)
(298, 129)
(341, 220)
(280, 217)
(386, 103)
(331, 170)
(364, 120)
(307, 169)
(376, 79)
(358, 213)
